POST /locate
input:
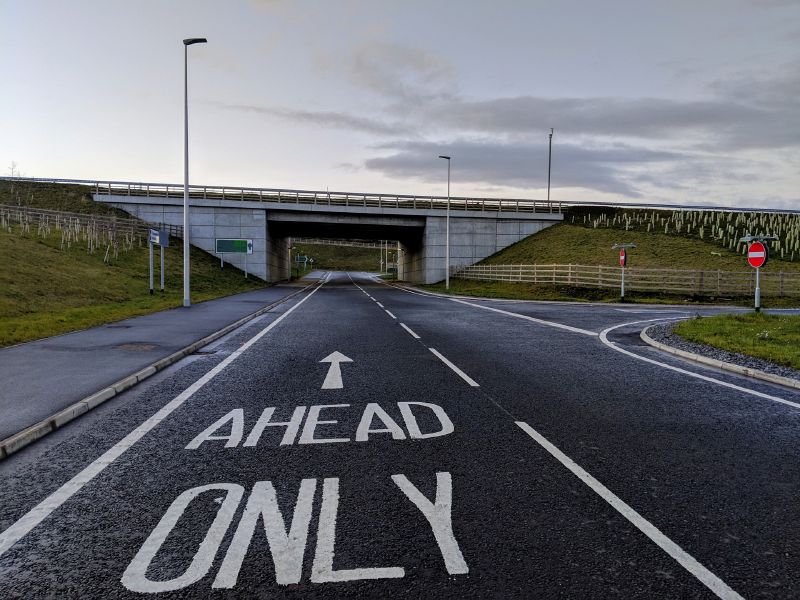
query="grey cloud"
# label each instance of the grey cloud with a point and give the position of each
(401, 72)
(321, 118)
(601, 168)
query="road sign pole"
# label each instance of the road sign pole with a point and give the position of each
(150, 247)
(245, 265)
(758, 290)
(162, 268)
(622, 285)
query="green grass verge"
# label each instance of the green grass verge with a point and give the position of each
(531, 291)
(573, 244)
(773, 337)
(47, 291)
(341, 258)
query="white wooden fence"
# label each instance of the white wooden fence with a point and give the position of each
(672, 281)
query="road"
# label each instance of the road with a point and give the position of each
(466, 449)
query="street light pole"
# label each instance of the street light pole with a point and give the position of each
(447, 230)
(186, 228)
(549, 160)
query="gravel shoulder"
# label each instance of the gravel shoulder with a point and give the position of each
(664, 333)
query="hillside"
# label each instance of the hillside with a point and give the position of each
(50, 287)
(341, 258)
(574, 244)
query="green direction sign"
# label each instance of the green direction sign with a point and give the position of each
(234, 246)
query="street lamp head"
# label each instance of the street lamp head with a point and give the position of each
(444, 157)
(190, 41)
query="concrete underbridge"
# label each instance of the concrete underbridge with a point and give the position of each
(479, 227)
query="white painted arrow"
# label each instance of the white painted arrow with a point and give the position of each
(333, 380)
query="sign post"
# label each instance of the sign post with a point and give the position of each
(160, 238)
(623, 262)
(233, 246)
(757, 255)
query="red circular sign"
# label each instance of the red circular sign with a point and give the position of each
(757, 255)
(623, 257)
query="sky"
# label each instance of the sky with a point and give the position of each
(691, 102)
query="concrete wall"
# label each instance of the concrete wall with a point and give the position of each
(421, 234)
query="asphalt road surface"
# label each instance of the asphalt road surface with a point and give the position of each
(446, 449)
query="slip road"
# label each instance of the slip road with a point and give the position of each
(362, 440)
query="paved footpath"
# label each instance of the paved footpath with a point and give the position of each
(42, 377)
(451, 449)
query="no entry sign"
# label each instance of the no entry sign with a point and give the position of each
(623, 257)
(757, 255)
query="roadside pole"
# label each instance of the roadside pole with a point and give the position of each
(162, 268)
(623, 261)
(150, 262)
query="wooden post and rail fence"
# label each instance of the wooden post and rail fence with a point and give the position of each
(670, 281)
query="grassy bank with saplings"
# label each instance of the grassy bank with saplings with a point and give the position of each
(47, 290)
(772, 337)
(341, 258)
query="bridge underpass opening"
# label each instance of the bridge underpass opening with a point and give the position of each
(404, 233)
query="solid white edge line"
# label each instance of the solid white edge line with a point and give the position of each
(408, 329)
(458, 371)
(527, 318)
(733, 386)
(41, 511)
(686, 560)
(390, 314)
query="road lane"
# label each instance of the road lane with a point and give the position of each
(714, 467)
(359, 495)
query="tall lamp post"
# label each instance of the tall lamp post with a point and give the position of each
(549, 160)
(447, 230)
(186, 228)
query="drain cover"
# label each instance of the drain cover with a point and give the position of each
(137, 346)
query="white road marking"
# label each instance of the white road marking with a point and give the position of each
(527, 318)
(688, 562)
(458, 371)
(613, 346)
(408, 329)
(333, 380)
(390, 314)
(322, 569)
(439, 516)
(379, 304)
(41, 511)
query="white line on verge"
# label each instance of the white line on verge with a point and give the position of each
(390, 314)
(42, 510)
(613, 346)
(408, 329)
(686, 560)
(458, 371)
(527, 318)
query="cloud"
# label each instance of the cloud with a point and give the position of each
(482, 162)
(332, 119)
(401, 73)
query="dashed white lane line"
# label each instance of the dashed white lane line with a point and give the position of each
(527, 318)
(379, 304)
(408, 329)
(613, 346)
(390, 314)
(686, 560)
(42, 510)
(455, 369)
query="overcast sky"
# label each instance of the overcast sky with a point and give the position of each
(680, 101)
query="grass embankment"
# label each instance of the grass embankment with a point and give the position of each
(773, 337)
(341, 258)
(573, 244)
(47, 291)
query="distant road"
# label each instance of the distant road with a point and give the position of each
(443, 449)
